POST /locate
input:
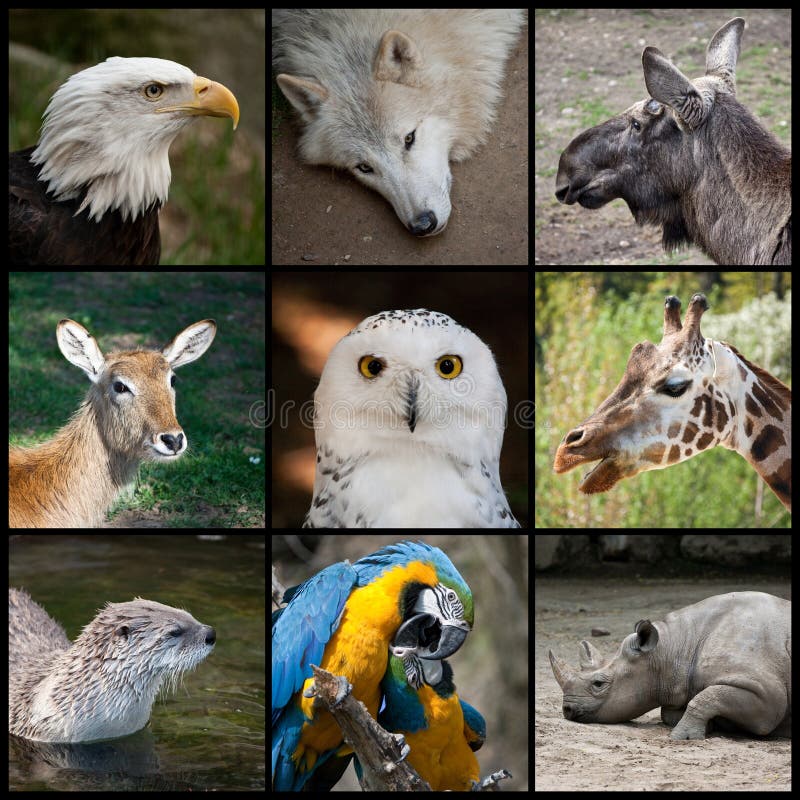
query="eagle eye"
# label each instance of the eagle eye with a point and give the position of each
(153, 91)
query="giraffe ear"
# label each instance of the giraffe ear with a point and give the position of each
(722, 360)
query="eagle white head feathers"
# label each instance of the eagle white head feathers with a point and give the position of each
(108, 129)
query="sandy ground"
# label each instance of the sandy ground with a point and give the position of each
(639, 755)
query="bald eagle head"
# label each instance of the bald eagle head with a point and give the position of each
(108, 129)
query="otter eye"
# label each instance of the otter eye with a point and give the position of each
(370, 366)
(449, 367)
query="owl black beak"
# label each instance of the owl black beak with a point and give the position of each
(411, 398)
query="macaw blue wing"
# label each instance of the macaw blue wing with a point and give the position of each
(298, 640)
(307, 625)
(474, 726)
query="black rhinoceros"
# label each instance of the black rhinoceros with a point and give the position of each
(727, 657)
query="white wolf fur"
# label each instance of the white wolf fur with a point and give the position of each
(393, 96)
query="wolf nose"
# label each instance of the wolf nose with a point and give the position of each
(424, 224)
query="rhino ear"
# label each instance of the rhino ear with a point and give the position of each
(646, 636)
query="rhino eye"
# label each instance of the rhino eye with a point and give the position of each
(597, 684)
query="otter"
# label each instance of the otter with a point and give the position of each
(102, 686)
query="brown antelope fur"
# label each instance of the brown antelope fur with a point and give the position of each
(679, 398)
(128, 416)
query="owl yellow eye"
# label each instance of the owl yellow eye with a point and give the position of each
(449, 367)
(370, 366)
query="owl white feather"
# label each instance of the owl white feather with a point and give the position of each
(409, 417)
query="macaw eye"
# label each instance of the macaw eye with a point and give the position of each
(370, 366)
(449, 367)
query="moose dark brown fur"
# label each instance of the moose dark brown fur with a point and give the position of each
(692, 159)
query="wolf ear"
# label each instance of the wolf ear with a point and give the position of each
(304, 94)
(398, 60)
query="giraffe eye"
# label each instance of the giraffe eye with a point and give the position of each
(675, 389)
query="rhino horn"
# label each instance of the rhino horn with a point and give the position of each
(591, 657)
(561, 669)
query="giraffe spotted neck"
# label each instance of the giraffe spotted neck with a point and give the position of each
(678, 398)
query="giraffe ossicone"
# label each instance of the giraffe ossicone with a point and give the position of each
(679, 398)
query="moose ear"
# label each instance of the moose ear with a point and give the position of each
(723, 52)
(667, 84)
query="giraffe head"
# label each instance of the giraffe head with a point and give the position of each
(675, 400)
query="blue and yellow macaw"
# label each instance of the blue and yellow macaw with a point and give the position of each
(441, 730)
(344, 620)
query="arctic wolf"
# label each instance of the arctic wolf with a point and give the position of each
(393, 96)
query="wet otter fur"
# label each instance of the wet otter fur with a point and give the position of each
(103, 685)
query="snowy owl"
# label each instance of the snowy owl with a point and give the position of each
(409, 417)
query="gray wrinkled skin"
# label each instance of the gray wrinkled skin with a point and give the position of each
(727, 658)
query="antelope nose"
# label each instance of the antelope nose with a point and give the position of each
(174, 443)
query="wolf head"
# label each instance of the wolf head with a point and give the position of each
(377, 121)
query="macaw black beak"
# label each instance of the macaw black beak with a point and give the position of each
(426, 636)
(452, 636)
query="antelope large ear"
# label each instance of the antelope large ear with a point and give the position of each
(190, 343)
(80, 348)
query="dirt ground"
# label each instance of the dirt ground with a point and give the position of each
(639, 755)
(589, 68)
(321, 216)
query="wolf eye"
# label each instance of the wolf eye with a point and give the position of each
(370, 366)
(365, 168)
(410, 137)
(449, 367)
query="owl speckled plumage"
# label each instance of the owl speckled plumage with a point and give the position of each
(409, 417)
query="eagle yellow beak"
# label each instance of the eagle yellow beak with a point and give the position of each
(211, 99)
